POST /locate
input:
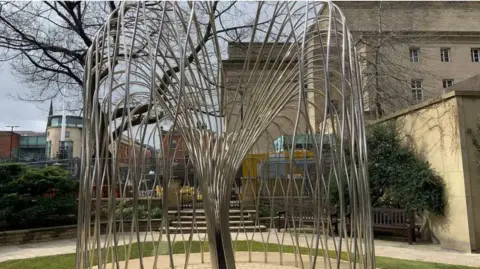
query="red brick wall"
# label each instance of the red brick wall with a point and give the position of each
(178, 155)
(5, 140)
(124, 152)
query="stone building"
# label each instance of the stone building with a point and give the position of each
(73, 136)
(275, 74)
(277, 66)
(410, 51)
(413, 50)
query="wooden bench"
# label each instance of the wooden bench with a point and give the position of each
(392, 220)
(302, 215)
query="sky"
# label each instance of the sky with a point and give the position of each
(27, 115)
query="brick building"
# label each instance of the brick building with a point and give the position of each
(128, 149)
(9, 141)
(174, 147)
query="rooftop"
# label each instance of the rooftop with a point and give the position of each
(471, 84)
(68, 116)
(30, 133)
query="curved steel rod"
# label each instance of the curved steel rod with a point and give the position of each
(284, 107)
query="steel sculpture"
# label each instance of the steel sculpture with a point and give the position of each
(164, 101)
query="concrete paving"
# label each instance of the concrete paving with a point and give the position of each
(400, 250)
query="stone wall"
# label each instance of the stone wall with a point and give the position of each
(37, 235)
(66, 232)
(437, 130)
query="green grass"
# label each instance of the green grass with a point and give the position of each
(67, 261)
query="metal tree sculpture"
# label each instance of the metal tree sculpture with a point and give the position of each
(156, 64)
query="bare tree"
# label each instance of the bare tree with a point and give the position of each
(386, 32)
(46, 42)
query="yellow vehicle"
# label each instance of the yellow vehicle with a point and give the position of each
(252, 162)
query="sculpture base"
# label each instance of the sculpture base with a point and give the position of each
(244, 260)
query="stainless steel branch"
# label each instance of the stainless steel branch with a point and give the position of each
(170, 119)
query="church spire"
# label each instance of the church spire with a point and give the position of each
(50, 113)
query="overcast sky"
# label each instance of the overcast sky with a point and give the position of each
(29, 116)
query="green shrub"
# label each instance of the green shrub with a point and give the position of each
(397, 177)
(156, 213)
(9, 172)
(26, 201)
(265, 210)
(126, 212)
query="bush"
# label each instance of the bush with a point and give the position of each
(265, 210)
(8, 172)
(126, 212)
(398, 178)
(26, 200)
(156, 213)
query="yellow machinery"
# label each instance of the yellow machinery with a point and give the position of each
(250, 163)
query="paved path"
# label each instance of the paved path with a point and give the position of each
(243, 260)
(400, 250)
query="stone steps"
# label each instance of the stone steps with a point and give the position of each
(203, 217)
(187, 230)
(239, 221)
(246, 222)
(201, 212)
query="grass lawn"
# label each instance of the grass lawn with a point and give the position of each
(67, 261)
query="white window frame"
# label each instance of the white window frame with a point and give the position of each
(475, 54)
(445, 55)
(414, 55)
(447, 83)
(417, 90)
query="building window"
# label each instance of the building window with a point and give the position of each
(69, 149)
(447, 83)
(56, 122)
(414, 55)
(445, 54)
(67, 133)
(417, 91)
(49, 150)
(173, 144)
(475, 55)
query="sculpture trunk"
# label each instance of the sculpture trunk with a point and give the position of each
(217, 205)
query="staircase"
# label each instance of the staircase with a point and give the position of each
(182, 221)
